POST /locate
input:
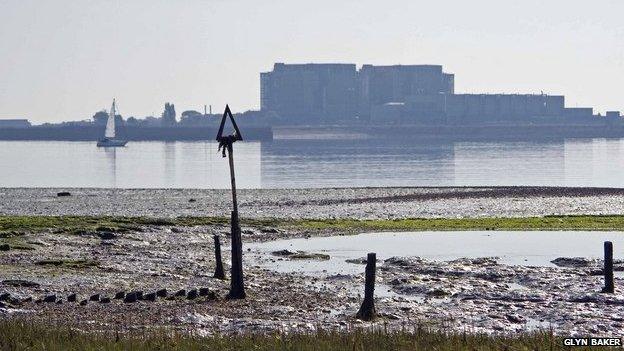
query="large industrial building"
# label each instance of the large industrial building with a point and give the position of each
(399, 94)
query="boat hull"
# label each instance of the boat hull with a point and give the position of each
(111, 143)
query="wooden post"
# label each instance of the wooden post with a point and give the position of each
(219, 274)
(367, 310)
(237, 287)
(609, 286)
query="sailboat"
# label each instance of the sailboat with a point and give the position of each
(109, 135)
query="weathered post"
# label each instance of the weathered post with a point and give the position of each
(367, 310)
(237, 287)
(219, 274)
(609, 286)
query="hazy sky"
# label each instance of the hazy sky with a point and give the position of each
(64, 60)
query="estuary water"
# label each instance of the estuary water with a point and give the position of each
(313, 163)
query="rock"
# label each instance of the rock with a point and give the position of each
(130, 297)
(83, 303)
(203, 291)
(212, 295)
(438, 293)
(59, 301)
(27, 299)
(514, 318)
(139, 294)
(180, 292)
(301, 255)
(105, 300)
(5, 297)
(269, 230)
(161, 293)
(574, 262)
(5, 247)
(247, 231)
(120, 295)
(192, 200)
(151, 297)
(94, 297)
(176, 230)
(106, 235)
(192, 294)
(3, 305)
(283, 253)
(49, 298)
(63, 193)
(361, 260)
(71, 298)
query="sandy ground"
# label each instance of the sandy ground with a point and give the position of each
(367, 203)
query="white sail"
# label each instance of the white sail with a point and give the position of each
(110, 124)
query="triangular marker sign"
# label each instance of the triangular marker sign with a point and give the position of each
(237, 134)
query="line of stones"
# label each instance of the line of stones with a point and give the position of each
(129, 297)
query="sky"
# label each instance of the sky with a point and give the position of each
(67, 59)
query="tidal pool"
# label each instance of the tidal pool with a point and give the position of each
(527, 248)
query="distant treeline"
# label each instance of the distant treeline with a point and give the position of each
(126, 132)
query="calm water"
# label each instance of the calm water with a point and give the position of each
(517, 248)
(296, 163)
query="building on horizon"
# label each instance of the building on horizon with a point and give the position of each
(317, 94)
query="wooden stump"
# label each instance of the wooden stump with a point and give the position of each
(367, 310)
(219, 274)
(237, 287)
(609, 286)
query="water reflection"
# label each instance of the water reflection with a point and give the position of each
(313, 163)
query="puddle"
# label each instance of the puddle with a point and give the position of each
(532, 248)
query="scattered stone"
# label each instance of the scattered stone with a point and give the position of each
(180, 292)
(120, 295)
(575, 262)
(212, 295)
(161, 293)
(63, 193)
(49, 298)
(105, 300)
(301, 255)
(106, 235)
(130, 297)
(151, 297)
(514, 318)
(5, 247)
(83, 303)
(94, 297)
(283, 253)
(192, 294)
(71, 298)
(361, 260)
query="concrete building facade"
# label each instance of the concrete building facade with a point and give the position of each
(310, 93)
